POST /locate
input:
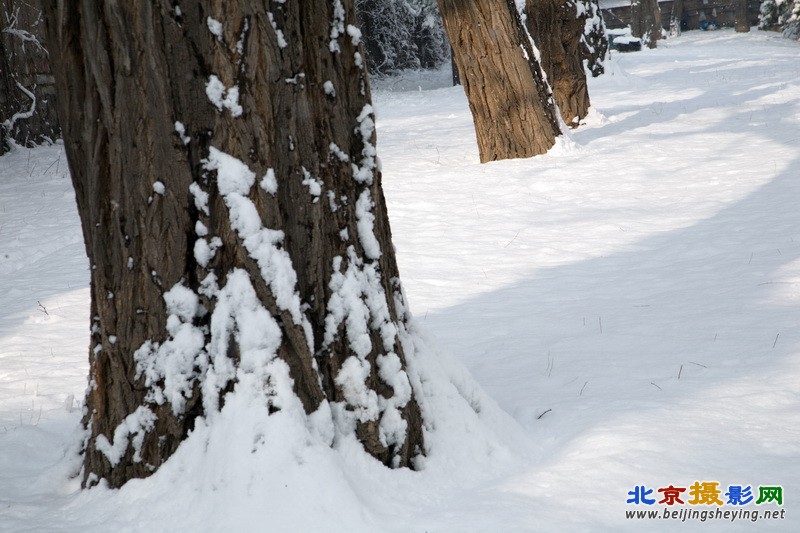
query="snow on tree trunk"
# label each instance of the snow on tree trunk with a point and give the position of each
(594, 43)
(646, 21)
(27, 96)
(224, 163)
(557, 27)
(511, 103)
(676, 18)
(741, 16)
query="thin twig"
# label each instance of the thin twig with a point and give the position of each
(584, 386)
(512, 240)
(541, 415)
(656, 386)
(679, 372)
(698, 364)
(776, 340)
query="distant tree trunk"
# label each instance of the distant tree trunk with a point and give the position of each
(511, 103)
(454, 68)
(557, 29)
(27, 96)
(676, 18)
(223, 158)
(646, 21)
(594, 43)
(741, 16)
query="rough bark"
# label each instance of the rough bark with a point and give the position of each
(646, 21)
(512, 106)
(146, 140)
(27, 96)
(741, 16)
(557, 29)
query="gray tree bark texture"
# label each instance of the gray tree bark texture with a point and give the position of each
(646, 21)
(27, 96)
(741, 18)
(557, 29)
(511, 104)
(135, 82)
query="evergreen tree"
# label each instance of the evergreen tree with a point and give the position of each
(594, 41)
(790, 19)
(401, 34)
(768, 16)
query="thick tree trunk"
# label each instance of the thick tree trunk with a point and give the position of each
(27, 96)
(742, 20)
(223, 158)
(557, 29)
(646, 21)
(511, 103)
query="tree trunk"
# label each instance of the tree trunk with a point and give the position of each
(511, 103)
(27, 96)
(223, 158)
(557, 29)
(676, 18)
(454, 68)
(742, 20)
(646, 21)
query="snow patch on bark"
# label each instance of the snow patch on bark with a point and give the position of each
(130, 431)
(240, 318)
(337, 26)
(314, 184)
(234, 180)
(223, 97)
(278, 33)
(365, 170)
(215, 27)
(269, 182)
(171, 368)
(365, 221)
(359, 302)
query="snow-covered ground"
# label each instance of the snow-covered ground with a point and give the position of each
(631, 300)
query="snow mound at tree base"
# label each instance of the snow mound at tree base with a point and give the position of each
(245, 469)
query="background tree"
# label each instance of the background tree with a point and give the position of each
(402, 34)
(27, 101)
(646, 21)
(223, 158)
(741, 16)
(770, 14)
(790, 19)
(780, 15)
(511, 103)
(557, 27)
(676, 18)
(594, 41)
